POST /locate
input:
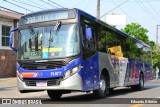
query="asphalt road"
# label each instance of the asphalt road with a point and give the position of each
(116, 99)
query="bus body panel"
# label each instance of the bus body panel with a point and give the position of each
(91, 73)
(105, 63)
(124, 71)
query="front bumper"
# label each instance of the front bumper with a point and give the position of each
(72, 83)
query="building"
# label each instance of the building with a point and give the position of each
(8, 21)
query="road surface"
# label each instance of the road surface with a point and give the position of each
(116, 99)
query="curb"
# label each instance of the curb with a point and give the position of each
(2, 79)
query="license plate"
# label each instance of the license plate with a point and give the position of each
(41, 84)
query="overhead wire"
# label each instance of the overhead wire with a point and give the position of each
(153, 8)
(37, 4)
(124, 11)
(114, 8)
(17, 5)
(11, 10)
(56, 4)
(48, 3)
(128, 15)
(27, 4)
(146, 10)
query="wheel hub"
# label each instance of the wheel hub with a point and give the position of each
(102, 85)
(141, 82)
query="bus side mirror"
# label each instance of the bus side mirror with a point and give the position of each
(11, 39)
(88, 33)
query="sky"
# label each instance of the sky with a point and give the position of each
(144, 12)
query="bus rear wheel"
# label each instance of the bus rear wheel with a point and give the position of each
(103, 89)
(140, 86)
(54, 94)
(141, 82)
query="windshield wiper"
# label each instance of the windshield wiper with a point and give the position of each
(55, 30)
(52, 36)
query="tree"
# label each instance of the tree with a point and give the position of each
(156, 57)
(140, 33)
(137, 31)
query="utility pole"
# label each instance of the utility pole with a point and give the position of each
(157, 37)
(98, 9)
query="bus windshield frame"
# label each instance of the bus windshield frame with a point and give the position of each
(43, 42)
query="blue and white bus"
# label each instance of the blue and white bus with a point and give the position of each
(65, 50)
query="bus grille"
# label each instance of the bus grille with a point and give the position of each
(42, 65)
(50, 82)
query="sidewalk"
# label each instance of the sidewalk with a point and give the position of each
(8, 82)
(8, 89)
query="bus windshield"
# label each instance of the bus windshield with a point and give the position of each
(45, 42)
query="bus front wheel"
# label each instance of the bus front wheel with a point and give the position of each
(54, 94)
(103, 89)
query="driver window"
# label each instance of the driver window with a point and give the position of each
(89, 37)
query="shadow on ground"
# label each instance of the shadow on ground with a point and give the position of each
(7, 88)
(88, 98)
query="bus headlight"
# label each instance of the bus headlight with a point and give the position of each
(70, 72)
(19, 75)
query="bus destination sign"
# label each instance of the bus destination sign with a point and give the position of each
(47, 16)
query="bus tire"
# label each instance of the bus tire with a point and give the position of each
(111, 91)
(140, 86)
(103, 89)
(54, 94)
(141, 82)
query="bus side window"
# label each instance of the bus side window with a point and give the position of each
(89, 38)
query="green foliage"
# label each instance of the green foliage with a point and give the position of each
(156, 57)
(137, 31)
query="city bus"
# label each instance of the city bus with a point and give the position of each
(65, 50)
